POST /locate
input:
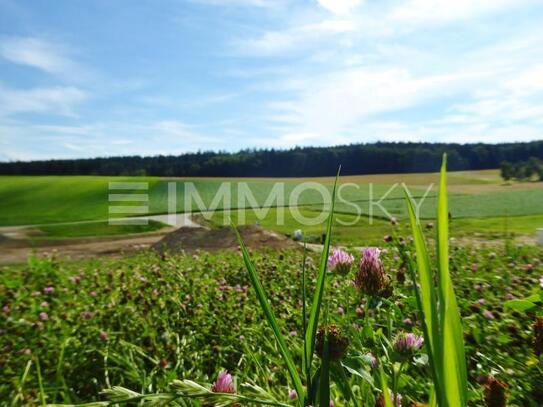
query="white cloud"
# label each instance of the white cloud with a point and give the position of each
(41, 54)
(23, 141)
(339, 6)
(53, 100)
(335, 103)
(416, 12)
(274, 43)
(181, 135)
(267, 4)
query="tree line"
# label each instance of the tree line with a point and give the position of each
(529, 170)
(355, 159)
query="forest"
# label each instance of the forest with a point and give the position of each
(375, 158)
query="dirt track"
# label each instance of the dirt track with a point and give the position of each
(77, 248)
(17, 243)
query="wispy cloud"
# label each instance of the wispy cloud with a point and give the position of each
(273, 43)
(58, 101)
(339, 6)
(39, 53)
(21, 141)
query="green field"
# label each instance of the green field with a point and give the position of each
(479, 201)
(91, 229)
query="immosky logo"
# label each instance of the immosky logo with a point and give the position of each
(280, 196)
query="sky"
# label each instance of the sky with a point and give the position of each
(83, 78)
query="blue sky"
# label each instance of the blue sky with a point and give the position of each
(85, 78)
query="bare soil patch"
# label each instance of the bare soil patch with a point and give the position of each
(222, 238)
(17, 250)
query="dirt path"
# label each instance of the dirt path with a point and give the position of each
(80, 248)
(16, 242)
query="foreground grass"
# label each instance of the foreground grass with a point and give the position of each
(143, 320)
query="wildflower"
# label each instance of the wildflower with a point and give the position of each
(541, 281)
(372, 360)
(292, 395)
(340, 311)
(104, 335)
(393, 221)
(86, 315)
(75, 279)
(43, 316)
(92, 293)
(340, 262)
(494, 392)
(224, 383)
(44, 304)
(538, 337)
(48, 290)
(331, 404)
(5, 309)
(337, 343)
(408, 322)
(293, 334)
(488, 315)
(406, 344)
(474, 267)
(163, 363)
(387, 238)
(360, 312)
(371, 278)
(529, 267)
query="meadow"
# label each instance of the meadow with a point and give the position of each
(71, 329)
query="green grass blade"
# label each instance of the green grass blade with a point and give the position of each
(321, 280)
(452, 345)
(384, 387)
(426, 296)
(305, 365)
(427, 288)
(40, 383)
(264, 304)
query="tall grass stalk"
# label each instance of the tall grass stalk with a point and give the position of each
(437, 303)
(310, 330)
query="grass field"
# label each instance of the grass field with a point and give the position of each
(27, 200)
(479, 201)
(92, 229)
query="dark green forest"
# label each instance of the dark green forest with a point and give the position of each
(376, 158)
